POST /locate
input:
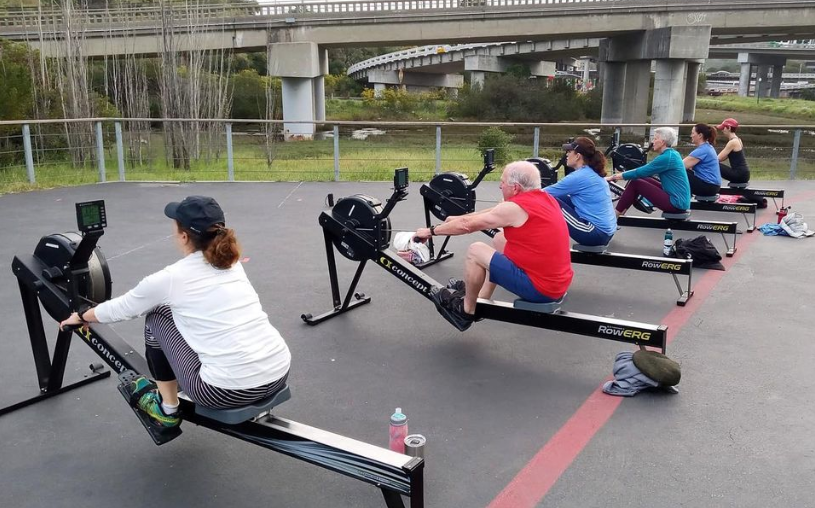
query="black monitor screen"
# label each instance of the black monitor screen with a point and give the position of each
(400, 179)
(91, 215)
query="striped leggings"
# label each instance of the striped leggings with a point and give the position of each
(169, 357)
(582, 231)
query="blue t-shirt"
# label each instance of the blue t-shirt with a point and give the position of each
(590, 197)
(707, 169)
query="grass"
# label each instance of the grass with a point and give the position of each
(765, 111)
(376, 157)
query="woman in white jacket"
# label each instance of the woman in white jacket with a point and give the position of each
(205, 329)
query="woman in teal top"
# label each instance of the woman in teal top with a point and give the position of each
(671, 193)
(703, 162)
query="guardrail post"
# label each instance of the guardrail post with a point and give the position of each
(536, 142)
(29, 156)
(336, 153)
(120, 150)
(796, 144)
(230, 162)
(438, 149)
(100, 152)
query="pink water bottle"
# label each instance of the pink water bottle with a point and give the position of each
(398, 431)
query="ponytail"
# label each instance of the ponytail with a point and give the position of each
(593, 158)
(219, 245)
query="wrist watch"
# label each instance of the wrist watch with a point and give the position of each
(433, 230)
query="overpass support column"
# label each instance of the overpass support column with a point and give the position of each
(613, 92)
(744, 79)
(691, 86)
(379, 89)
(298, 64)
(586, 74)
(775, 87)
(669, 92)
(671, 48)
(637, 86)
(477, 78)
(764, 87)
(319, 86)
(763, 80)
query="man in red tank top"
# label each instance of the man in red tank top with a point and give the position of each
(530, 258)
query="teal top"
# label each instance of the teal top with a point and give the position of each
(672, 175)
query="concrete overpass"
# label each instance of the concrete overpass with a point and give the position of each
(371, 23)
(673, 34)
(441, 65)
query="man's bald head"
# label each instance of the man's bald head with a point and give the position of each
(523, 173)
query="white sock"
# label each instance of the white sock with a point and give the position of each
(168, 409)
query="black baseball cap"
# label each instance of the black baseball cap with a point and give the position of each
(196, 213)
(574, 146)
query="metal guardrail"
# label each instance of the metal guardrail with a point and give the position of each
(117, 146)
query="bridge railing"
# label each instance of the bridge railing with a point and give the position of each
(27, 17)
(70, 152)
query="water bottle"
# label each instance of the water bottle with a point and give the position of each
(782, 213)
(398, 431)
(668, 243)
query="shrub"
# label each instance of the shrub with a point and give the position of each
(497, 139)
(519, 99)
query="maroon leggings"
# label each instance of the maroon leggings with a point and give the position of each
(651, 190)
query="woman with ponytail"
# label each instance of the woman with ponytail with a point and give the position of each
(702, 163)
(584, 195)
(205, 330)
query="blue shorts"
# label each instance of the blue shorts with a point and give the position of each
(504, 273)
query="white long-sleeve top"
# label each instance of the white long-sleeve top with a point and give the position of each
(219, 315)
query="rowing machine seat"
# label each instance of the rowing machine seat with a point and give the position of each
(546, 308)
(685, 215)
(597, 249)
(238, 415)
(709, 199)
(737, 185)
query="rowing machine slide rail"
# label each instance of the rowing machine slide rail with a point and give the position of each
(340, 234)
(68, 270)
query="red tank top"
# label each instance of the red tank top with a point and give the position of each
(541, 246)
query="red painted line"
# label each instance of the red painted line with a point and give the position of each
(535, 479)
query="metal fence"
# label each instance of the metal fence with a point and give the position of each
(70, 152)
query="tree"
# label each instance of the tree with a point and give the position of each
(16, 94)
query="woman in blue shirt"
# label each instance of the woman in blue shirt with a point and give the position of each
(703, 163)
(584, 196)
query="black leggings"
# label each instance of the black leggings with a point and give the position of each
(734, 175)
(699, 187)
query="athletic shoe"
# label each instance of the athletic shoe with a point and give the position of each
(451, 307)
(455, 284)
(150, 403)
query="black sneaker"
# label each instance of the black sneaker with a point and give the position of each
(451, 307)
(455, 284)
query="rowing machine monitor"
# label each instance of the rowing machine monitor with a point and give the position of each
(400, 179)
(72, 262)
(91, 216)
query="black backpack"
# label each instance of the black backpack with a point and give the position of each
(703, 253)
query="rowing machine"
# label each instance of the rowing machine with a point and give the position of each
(69, 269)
(340, 231)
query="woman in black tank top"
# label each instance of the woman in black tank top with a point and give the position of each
(733, 151)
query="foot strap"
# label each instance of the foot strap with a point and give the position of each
(126, 379)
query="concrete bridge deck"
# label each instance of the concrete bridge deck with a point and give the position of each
(409, 22)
